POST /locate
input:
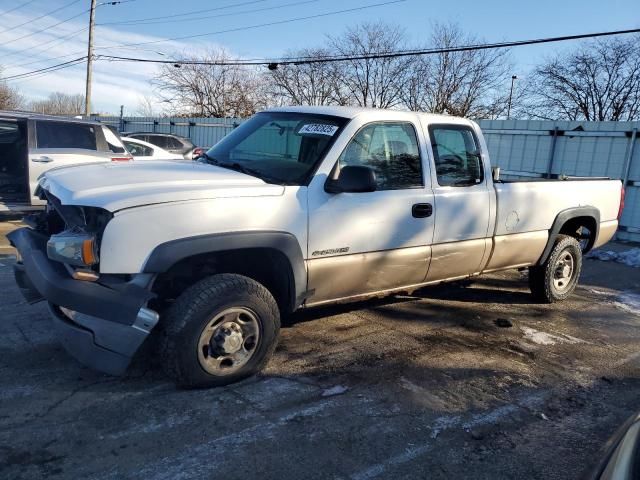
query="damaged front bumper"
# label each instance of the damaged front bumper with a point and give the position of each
(102, 324)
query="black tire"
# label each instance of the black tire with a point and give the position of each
(546, 282)
(192, 313)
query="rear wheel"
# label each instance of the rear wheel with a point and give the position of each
(219, 331)
(557, 278)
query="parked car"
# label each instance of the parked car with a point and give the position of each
(31, 144)
(146, 151)
(298, 207)
(167, 141)
(620, 456)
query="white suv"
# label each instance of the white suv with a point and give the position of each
(31, 144)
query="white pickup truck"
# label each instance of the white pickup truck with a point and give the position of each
(297, 207)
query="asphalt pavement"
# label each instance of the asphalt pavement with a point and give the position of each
(457, 381)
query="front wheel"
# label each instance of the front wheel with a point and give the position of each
(219, 331)
(557, 277)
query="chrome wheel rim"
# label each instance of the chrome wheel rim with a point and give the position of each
(563, 271)
(228, 341)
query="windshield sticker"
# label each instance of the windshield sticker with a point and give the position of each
(318, 129)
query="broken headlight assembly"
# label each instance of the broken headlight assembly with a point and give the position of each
(74, 248)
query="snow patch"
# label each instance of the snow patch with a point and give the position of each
(443, 423)
(629, 302)
(544, 338)
(626, 301)
(337, 390)
(629, 257)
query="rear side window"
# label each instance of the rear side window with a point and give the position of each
(65, 135)
(158, 141)
(174, 143)
(456, 155)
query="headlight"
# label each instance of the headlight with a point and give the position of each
(78, 249)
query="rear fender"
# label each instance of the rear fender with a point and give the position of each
(562, 218)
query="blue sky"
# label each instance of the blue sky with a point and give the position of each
(119, 83)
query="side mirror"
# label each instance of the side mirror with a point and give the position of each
(353, 179)
(495, 173)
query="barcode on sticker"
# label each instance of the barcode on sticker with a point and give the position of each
(318, 129)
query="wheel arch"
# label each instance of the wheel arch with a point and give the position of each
(280, 249)
(567, 222)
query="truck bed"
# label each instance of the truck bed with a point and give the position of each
(532, 205)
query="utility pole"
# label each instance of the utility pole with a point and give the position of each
(513, 79)
(87, 94)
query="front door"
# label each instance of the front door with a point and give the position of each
(462, 203)
(361, 243)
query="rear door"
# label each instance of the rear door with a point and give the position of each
(463, 202)
(60, 144)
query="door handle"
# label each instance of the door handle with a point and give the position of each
(42, 159)
(422, 210)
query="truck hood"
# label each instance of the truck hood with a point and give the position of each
(115, 186)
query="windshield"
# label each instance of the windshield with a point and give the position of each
(279, 147)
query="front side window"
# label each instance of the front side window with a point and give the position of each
(279, 147)
(65, 135)
(391, 149)
(456, 155)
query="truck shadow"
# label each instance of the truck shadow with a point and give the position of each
(484, 290)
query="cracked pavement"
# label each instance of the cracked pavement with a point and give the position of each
(455, 381)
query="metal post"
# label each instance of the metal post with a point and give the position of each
(552, 151)
(513, 79)
(87, 94)
(628, 160)
(627, 169)
(122, 118)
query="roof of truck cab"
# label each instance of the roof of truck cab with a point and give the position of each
(39, 116)
(352, 112)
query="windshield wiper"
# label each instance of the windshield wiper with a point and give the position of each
(247, 171)
(210, 159)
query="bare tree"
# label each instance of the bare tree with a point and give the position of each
(600, 80)
(146, 106)
(210, 90)
(465, 83)
(10, 98)
(306, 83)
(372, 82)
(58, 103)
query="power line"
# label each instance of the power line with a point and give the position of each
(41, 16)
(176, 15)
(50, 26)
(51, 68)
(393, 54)
(250, 27)
(17, 7)
(55, 42)
(219, 15)
(59, 39)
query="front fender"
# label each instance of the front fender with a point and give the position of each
(167, 254)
